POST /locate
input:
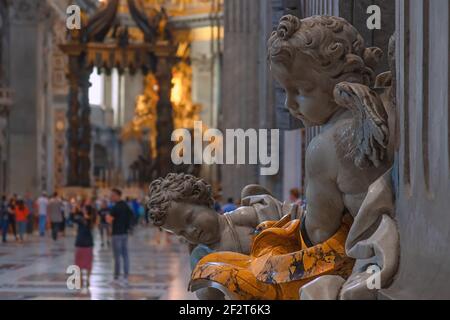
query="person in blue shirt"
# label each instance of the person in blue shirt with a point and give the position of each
(229, 206)
(4, 222)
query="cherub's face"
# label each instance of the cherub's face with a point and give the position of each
(308, 96)
(197, 224)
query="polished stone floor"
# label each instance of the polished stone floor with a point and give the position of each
(37, 270)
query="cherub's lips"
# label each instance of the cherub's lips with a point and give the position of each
(300, 116)
(279, 55)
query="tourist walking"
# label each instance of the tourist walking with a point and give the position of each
(4, 217)
(120, 218)
(21, 213)
(29, 203)
(12, 216)
(54, 210)
(42, 203)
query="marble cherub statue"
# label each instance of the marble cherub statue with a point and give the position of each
(183, 204)
(327, 73)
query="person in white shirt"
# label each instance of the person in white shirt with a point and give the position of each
(42, 203)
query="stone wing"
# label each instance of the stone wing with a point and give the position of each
(367, 140)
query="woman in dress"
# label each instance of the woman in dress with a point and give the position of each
(84, 243)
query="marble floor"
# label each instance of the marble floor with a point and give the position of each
(37, 270)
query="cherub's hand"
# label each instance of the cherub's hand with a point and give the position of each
(264, 225)
(272, 224)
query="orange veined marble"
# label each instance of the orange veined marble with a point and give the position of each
(280, 263)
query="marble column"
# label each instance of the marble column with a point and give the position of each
(28, 117)
(132, 149)
(85, 133)
(423, 162)
(164, 122)
(4, 103)
(240, 86)
(5, 107)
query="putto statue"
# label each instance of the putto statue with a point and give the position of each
(327, 73)
(183, 204)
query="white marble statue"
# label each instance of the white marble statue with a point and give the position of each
(327, 73)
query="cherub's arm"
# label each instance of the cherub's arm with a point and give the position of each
(257, 209)
(325, 204)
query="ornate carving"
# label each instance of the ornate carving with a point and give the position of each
(146, 25)
(326, 70)
(59, 143)
(59, 60)
(365, 142)
(185, 112)
(187, 190)
(23, 11)
(86, 50)
(73, 121)
(101, 22)
(164, 119)
(183, 204)
(84, 148)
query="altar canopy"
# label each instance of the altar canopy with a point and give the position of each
(105, 43)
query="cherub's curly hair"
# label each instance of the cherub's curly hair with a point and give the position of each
(334, 46)
(176, 187)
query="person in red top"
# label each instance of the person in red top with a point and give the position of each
(21, 218)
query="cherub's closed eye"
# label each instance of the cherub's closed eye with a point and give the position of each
(306, 87)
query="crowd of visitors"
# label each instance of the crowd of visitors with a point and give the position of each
(114, 216)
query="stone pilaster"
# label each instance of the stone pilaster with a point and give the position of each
(84, 151)
(240, 84)
(423, 162)
(5, 101)
(28, 117)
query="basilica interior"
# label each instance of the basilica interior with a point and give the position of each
(91, 92)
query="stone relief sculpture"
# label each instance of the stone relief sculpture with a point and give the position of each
(327, 73)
